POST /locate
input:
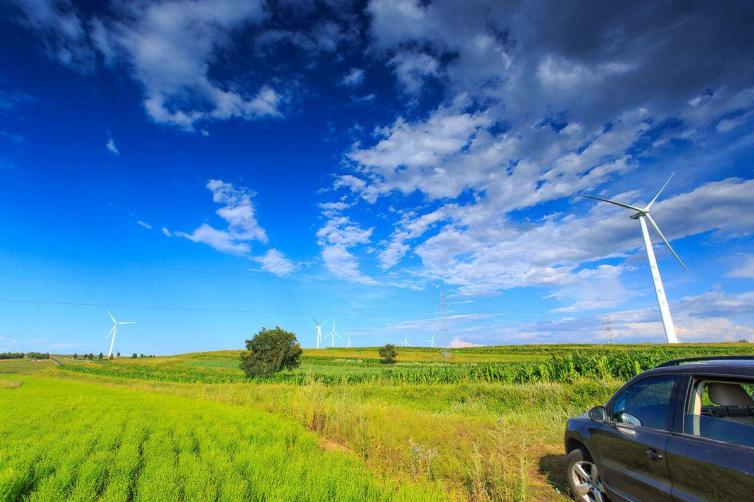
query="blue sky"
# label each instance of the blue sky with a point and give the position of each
(209, 167)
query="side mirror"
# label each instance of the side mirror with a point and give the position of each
(598, 414)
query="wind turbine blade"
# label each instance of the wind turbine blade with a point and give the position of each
(627, 206)
(661, 189)
(111, 317)
(657, 229)
(110, 333)
(127, 322)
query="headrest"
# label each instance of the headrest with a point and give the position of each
(729, 394)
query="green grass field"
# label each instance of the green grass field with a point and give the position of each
(482, 424)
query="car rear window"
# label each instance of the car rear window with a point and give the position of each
(721, 410)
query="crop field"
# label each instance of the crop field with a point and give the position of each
(481, 424)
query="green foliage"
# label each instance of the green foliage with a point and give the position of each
(270, 351)
(11, 355)
(134, 356)
(568, 365)
(133, 445)
(388, 353)
(37, 355)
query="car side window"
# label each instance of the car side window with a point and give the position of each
(647, 403)
(722, 410)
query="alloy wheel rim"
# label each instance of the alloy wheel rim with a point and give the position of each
(585, 477)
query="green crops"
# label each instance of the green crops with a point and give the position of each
(560, 364)
(62, 440)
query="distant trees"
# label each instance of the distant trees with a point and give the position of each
(134, 356)
(28, 355)
(75, 355)
(388, 354)
(270, 351)
(38, 355)
(117, 354)
(100, 356)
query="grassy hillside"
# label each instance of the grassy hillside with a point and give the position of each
(475, 438)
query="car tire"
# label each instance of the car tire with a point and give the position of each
(582, 477)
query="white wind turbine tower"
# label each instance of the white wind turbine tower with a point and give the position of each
(642, 214)
(348, 341)
(333, 334)
(431, 341)
(318, 326)
(114, 331)
(405, 341)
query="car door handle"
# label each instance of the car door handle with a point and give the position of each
(654, 454)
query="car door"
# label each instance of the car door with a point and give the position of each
(712, 457)
(632, 446)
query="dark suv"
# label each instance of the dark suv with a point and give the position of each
(681, 431)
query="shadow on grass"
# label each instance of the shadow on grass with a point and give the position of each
(552, 466)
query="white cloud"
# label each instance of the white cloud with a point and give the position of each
(354, 77)
(144, 224)
(412, 69)
(237, 210)
(61, 29)
(110, 145)
(166, 232)
(458, 343)
(745, 270)
(170, 48)
(335, 238)
(275, 262)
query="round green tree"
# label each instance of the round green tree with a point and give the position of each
(388, 354)
(270, 351)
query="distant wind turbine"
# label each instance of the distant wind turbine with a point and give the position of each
(642, 214)
(318, 326)
(114, 331)
(405, 341)
(348, 342)
(431, 341)
(333, 334)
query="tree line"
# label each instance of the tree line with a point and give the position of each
(21, 355)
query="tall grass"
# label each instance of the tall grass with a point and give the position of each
(64, 440)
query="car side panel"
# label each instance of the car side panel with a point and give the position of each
(703, 470)
(627, 469)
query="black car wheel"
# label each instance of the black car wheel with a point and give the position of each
(583, 477)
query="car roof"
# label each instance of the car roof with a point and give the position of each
(735, 367)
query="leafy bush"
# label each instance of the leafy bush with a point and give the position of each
(270, 351)
(37, 355)
(11, 355)
(388, 353)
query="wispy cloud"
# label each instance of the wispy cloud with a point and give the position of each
(354, 77)
(237, 210)
(745, 270)
(275, 262)
(144, 224)
(111, 147)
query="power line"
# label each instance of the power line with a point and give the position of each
(150, 307)
(173, 307)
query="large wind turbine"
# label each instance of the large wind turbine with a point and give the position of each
(114, 331)
(431, 341)
(318, 327)
(333, 334)
(405, 341)
(642, 214)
